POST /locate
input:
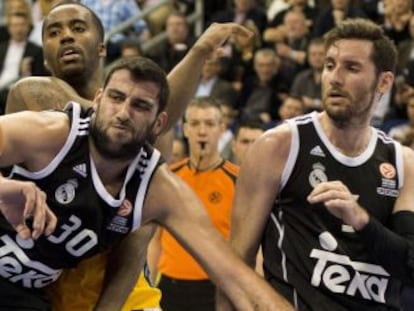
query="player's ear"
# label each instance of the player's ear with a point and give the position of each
(102, 50)
(46, 65)
(97, 98)
(160, 123)
(385, 82)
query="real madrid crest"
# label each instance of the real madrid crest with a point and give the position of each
(65, 193)
(318, 175)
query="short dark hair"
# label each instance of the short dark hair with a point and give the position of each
(143, 69)
(95, 19)
(316, 41)
(384, 52)
(133, 44)
(250, 124)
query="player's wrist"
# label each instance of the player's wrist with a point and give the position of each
(201, 50)
(361, 220)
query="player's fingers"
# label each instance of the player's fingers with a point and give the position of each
(29, 191)
(23, 231)
(240, 31)
(51, 222)
(39, 214)
(326, 195)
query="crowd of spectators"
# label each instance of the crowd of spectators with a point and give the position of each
(254, 79)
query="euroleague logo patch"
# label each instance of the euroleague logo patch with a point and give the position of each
(215, 197)
(125, 208)
(387, 170)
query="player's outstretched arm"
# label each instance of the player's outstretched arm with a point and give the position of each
(183, 78)
(124, 266)
(31, 140)
(256, 189)
(41, 93)
(173, 204)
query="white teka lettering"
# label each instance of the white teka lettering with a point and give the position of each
(17, 267)
(335, 271)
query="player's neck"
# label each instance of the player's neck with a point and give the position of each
(110, 171)
(350, 140)
(86, 87)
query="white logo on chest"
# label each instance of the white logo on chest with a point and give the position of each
(65, 193)
(318, 175)
(339, 274)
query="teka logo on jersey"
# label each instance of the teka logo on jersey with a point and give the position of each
(341, 275)
(17, 267)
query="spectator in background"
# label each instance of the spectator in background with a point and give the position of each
(291, 107)
(237, 57)
(243, 10)
(40, 9)
(374, 10)
(156, 19)
(262, 93)
(246, 133)
(179, 42)
(274, 7)
(229, 117)
(211, 84)
(400, 132)
(307, 83)
(406, 49)
(179, 150)
(114, 12)
(397, 14)
(291, 48)
(298, 6)
(184, 284)
(131, 48)
(18, 56)
(338, 11)
(10, 7)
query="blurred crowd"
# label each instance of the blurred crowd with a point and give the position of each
(266, 80)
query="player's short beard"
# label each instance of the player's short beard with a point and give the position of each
(126, 151)
(344, 119)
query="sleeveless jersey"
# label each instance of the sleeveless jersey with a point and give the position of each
(90, 220)
(215, 188)
(312, 257)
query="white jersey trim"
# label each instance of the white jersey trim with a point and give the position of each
(293, 154)
(142, 191)
(76, 127)
(399, 162)
(100, 188)
(340, 157)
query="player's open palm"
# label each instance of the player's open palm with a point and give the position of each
(19, 201)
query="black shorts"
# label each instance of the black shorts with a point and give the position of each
(186, 295)
(13, 297)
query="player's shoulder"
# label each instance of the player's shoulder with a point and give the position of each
(276, 137)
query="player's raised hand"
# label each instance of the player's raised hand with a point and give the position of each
(20, 201)
(213, 38)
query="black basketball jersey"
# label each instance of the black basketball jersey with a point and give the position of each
(312, 257)
(90, 220)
